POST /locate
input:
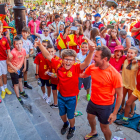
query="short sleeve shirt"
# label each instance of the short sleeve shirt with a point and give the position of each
(137, 25)
(112, 45)
(18, 59)
(43, 37)
(43, 66)
(31, 25)
(4, 46)
(103, 84)
(27, 45)
(68, 79)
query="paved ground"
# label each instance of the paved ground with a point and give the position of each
(44, 123)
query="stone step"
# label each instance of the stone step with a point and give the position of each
(7, 128)
(23, 125)
(35, 118)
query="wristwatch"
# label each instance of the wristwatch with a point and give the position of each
(36, 74)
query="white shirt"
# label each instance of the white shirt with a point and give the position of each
(43, 37)
(27, 45)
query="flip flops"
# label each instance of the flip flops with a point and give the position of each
(77, 113)
(87, 137)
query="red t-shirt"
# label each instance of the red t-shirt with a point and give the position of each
(137, 25)
(43, 66)
(68, 79)
(53, 69)
(103, 84)
(117, 64)
(138, 80)
(4, 45)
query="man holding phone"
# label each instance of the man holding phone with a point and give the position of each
(97, 23)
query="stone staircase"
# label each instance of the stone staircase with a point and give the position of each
(44, 123)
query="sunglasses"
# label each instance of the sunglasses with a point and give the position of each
(44, 24)
(45, 30)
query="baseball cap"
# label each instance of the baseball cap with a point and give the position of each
(138, 58)
(119, 47)
(97, 15)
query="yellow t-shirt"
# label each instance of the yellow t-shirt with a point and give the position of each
(129, 76)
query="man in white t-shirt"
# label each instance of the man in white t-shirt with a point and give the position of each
(46, 35)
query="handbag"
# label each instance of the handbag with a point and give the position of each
(136, 41)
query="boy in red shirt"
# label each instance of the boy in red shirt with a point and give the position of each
(4, 51)
(135, 95)
(53, 70)
(41, 67)
(16, 67)
(68, 73)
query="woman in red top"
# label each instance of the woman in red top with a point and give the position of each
(50, 21)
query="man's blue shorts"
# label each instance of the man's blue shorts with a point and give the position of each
(67, 105)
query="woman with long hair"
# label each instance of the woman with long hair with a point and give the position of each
(87, 28)
(41, 27)
(112, 40)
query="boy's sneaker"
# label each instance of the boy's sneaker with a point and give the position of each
(70, 133)
(27, 86)
(8, 91)
(88, 97)
(45, 96)
(122, 121)
(64, 129)
(3, 94)
(53, 106)
(48, 101)
(19, 99)
(23, 94)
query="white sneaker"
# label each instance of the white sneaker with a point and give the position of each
(45, 96)
(48, 101)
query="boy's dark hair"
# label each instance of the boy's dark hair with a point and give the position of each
(57, 16)
(17, 38)
(133, 48)
(49, 46)
(84, 43)
(68, 52)
(105, 52)
(46, 41)
(26, 29)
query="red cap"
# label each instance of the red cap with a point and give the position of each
(119, 47)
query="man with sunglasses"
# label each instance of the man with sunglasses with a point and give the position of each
(46, 34)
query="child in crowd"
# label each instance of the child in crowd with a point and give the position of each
(28, 46)
(81, 58)
(16, 67)
(129, 75)
(118, 59)
(68, 74)
(4, 46)
(41, 67)
(135, 95)
(53, 70)
(61, 28)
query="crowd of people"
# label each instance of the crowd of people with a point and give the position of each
(99, 49)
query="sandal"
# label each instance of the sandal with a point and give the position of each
(87, 137)
(121, 111)
(131, 114)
